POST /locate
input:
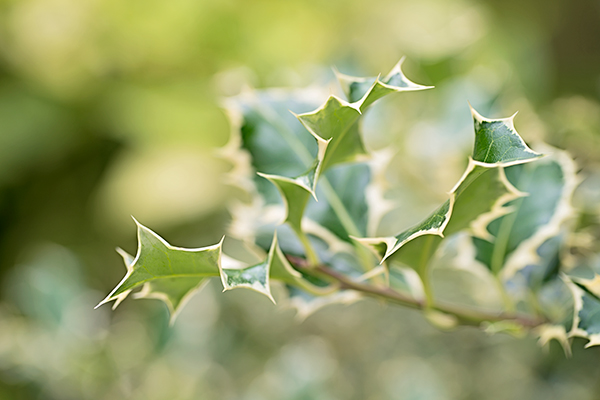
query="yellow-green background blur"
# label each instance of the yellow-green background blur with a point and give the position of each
(110, 108)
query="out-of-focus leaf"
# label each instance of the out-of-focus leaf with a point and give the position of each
(527, 237)
(350, 182)
(458, 278)
(267, 138)
(586, 318)
(306, 304)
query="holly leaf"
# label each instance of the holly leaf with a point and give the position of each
(294, 162)
(355, 88)
(235, 274)
(336, 120)
(296, 191)
(586, 318)
(349, 182)
(174, 274)
(168, 273)
(530, 238)
(267, 138)
(497, 142)
(458, 278)
(477, 199)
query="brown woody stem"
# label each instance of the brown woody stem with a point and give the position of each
(464, 316)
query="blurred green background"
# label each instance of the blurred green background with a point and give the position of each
(111, 108)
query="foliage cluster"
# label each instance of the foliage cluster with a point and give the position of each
(507, 251)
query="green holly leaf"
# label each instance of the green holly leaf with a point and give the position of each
(497, 142)
(235, 274)
(336, 120)
(531, 236)
(355, 88)
(476, 200)
(267, 138)
(296, 191)
(350, 183)
(294, 161)
(171, 274)
(280, 148)
(586, 318)
(174, 274)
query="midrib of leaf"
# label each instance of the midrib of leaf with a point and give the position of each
(490, 145)
(157, 277)
(336, 143)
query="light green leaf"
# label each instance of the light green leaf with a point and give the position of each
(174, 292)
(168, 273)
(174, 274)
